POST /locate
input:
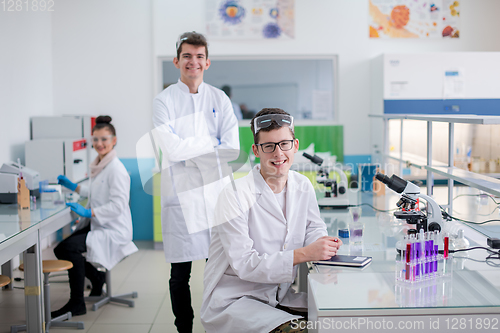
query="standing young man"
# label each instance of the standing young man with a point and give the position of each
(195, 120)
(268, 222)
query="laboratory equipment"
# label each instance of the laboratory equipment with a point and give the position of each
(54, 157)
(50, 195)
(420, 260)
(8, 188)
(63, 127)
(23, 194)
(344, 233)
(31, 177)
(356, 232)
(410, 193)
(336, 192)
(59, 127)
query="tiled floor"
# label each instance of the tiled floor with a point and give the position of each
(145, 272)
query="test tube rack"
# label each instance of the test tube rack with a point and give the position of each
(420, 258)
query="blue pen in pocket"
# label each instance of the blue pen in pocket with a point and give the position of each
(214, 112)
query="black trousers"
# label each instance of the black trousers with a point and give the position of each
(180, 296)
(71, 249)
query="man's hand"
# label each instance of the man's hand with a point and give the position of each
(322, 249)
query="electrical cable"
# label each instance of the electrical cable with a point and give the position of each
(495, 255)
(446, 215)
(497, 207)
(477, 195)
(379, 210)
(476, 248)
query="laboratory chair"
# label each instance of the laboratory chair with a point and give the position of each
(4, 280)
(50, 266)
(109, 297)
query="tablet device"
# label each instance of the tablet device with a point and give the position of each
(342, 260)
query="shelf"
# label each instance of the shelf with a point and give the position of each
(462, 119)
(482, 182)
(412, 160)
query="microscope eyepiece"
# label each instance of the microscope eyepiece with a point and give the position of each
(383, 178)
(315, 159)
(395, 183)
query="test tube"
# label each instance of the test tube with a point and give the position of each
(418, 250)
(431, 253)
(413, 257)
(436, 250)
(408, 257)
(446, 245)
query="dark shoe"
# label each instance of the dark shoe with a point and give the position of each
(97, 285)
(76, 309)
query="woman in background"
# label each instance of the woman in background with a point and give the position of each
(105, 233)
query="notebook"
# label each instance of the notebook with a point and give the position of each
(342, 260)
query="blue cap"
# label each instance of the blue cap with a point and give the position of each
(344, 233)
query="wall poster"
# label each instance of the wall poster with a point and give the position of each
(414, 18)
(250, 19)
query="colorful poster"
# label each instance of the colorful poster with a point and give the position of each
(414, 18)
(250, 19)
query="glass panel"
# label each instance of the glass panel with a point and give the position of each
(305, 88)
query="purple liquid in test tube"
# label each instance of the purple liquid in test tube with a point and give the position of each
(427, 255)
(436, 250)
(358, 232)
(431, 256)
(417, 253)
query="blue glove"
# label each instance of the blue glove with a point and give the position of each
(64, 181)
(79, 209)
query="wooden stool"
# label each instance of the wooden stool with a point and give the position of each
(50, 266)
(4, 280)
(109, 297)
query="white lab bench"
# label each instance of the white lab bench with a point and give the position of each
(343, 299)
(23, 234)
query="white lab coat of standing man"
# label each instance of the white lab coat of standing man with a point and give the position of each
(194, 120)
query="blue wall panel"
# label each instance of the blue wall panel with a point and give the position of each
(141, 203)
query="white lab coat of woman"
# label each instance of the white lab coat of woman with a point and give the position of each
(110, 236)
(250, 266)
(187, 127)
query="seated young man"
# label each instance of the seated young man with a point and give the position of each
(268, 223)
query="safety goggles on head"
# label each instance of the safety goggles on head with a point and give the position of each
(103, 139)
(184, 37)
(266, 121)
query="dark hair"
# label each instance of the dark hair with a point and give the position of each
(192, 38)
(274, 125)
(227, 90)
(104, 122)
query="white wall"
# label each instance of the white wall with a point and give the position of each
(103, 64)
(102, 57)
(25, 77)
(334, 27)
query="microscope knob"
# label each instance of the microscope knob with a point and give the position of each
(341, 189)
(434, 226)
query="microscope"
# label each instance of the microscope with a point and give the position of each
(409, 194)
(336, 193)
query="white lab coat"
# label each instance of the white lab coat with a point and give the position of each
(110, 236)
(186, 125)
(250, 266)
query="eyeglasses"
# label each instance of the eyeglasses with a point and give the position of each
(266, 121)
(103, 139)
(269, 147)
